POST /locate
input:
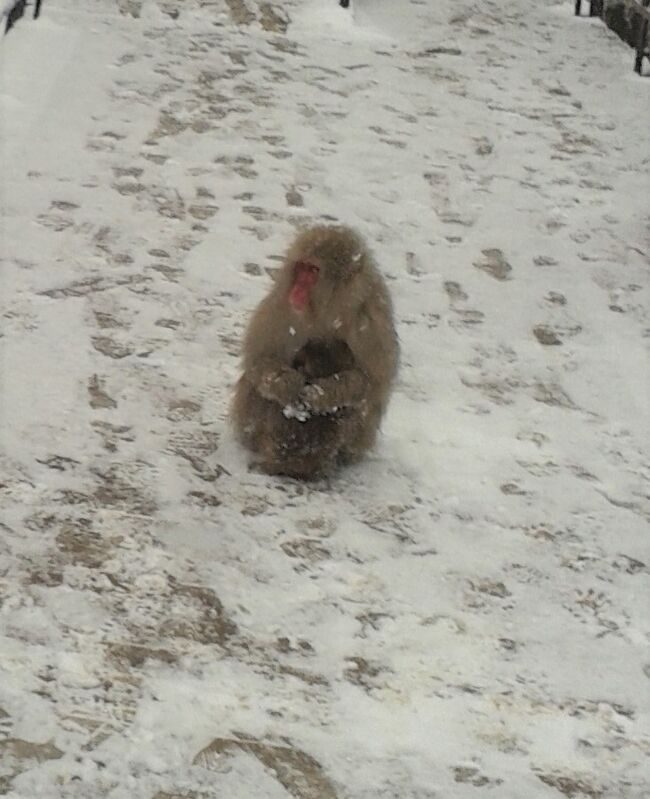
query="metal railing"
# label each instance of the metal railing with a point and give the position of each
(639, 7)
(16, 12)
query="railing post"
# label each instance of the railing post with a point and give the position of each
(17, 10)
(15, 14)
(640, 47)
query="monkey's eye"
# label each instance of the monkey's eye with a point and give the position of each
(307, 272)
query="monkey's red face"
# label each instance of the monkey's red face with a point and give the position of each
(305, 277)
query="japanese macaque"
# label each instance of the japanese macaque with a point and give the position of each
(319, 359)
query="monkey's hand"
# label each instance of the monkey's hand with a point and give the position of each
(281, 385)
(341, 390)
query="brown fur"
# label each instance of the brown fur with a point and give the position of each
(336, 360)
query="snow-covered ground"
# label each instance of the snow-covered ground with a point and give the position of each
(465, 614)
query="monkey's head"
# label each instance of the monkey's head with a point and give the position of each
(322, 264)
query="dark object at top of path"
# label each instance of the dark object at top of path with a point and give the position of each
(630, 19)
(17, 11)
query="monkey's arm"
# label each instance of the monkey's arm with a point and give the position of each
(341, 390)
(265, 366)
(275, 381)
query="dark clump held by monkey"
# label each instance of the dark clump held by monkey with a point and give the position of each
(320, 357)
(295, 440)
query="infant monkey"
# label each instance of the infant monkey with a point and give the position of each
(299, 442)
(320, 357)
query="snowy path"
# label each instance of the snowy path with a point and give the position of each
(464, 614)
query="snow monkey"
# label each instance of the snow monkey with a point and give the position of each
(320, 355)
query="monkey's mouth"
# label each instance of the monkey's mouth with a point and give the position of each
(299, 297)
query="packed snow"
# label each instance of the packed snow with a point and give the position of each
(463, 614)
